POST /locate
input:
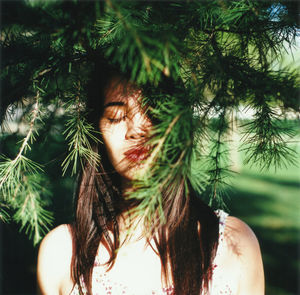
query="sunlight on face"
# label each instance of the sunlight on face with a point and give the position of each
(124, 127)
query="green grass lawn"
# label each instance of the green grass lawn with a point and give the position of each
(269, 203)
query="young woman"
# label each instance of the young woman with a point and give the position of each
(108, 251)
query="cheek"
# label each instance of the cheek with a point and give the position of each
(113, 136)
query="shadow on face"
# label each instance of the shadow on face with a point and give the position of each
(124, 127)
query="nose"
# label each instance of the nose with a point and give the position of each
(137, 126)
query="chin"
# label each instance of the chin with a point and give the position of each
(133, 173)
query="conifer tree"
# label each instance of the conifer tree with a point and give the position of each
(220, 55)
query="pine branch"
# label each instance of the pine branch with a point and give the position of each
(217, 160)
(19, 188)
(158, 145)
(148, 57)
(80, 134)
(136, 37)
(4, 215)
(11, 170)
(30, 210)
(169, 161)
(265, 139)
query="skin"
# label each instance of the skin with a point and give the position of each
(123, 126)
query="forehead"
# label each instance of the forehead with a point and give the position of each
(121, 90)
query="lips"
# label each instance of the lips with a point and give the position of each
(137, 154)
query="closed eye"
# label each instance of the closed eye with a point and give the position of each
(116, 120)
(115, 114)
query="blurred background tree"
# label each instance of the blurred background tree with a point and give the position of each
(231, 86)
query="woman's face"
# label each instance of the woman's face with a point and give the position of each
(124, 128)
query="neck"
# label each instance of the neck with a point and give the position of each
(126, 186)
(131, 222)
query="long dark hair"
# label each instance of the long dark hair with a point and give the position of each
(186, 246)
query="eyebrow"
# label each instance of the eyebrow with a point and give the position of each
(114, 103)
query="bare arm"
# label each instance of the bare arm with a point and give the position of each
(54, 258)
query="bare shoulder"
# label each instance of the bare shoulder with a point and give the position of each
(240, 236)
(54, 259)
(61, 232)
(243, 244)
(57, 243)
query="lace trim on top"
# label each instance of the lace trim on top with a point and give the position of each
(222, 224)
(103, 285)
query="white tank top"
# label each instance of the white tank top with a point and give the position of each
(102, 284)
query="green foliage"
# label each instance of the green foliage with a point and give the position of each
(20, 187)
(79, 133)
(29, 207)
(266, 141)
(170, 160)
(219, 55)
(133, 33)
(218, 158)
